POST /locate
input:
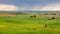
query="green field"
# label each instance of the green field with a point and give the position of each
(24, 24)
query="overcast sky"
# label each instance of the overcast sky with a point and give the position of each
(29, 5)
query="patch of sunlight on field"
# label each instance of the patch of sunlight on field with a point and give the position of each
(14, 28)
(3, 26)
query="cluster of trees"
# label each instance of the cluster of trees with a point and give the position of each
(52, 18)
(34, 16)
(21, 13)
(50, 14)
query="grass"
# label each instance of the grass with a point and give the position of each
(23, 24)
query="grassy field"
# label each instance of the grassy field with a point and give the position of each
(24, 24)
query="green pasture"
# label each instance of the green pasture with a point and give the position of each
(24, 24)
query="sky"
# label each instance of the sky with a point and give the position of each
(29, 5)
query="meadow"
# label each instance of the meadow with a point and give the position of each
(22, 23)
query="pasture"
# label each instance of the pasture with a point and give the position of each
(23, 23)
